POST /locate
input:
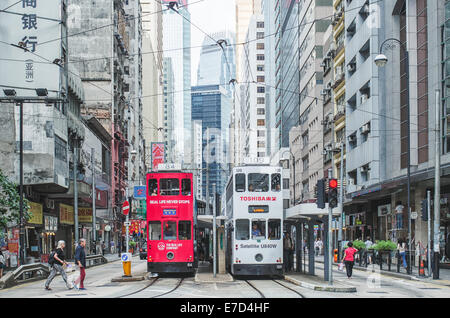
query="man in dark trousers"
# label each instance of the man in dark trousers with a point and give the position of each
(80, 260)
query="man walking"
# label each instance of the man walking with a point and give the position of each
(287, 251)
(56, 264)
(80, 260)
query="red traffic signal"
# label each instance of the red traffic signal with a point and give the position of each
(333, 183)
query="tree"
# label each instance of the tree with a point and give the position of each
(10, 204)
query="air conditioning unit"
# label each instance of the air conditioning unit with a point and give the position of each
(351, 67)
(365, 129)
(364, 97)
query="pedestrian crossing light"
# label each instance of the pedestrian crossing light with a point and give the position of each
(424, 210)
(332, 193)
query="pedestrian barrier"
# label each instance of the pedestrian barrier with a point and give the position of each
(25, 273)
(92, 260)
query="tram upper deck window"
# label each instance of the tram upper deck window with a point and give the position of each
(152, 187)
(170, 230)
(240, 182)
(186, 187)
(274, 226)
(169, 186)
(276, 182)
(258, 229)
(258, 182)
(184, 230)
(242, 229)
(154, 230)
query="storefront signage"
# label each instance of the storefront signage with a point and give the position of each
(384, 209)
(84, 215)
(50, 223)
(36, 210)
(66, 214)
(140, 192)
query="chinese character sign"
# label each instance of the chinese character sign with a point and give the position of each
(157, 155)
(139, 192)
(36, 43)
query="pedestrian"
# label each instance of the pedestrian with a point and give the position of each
(318, 245)
(103, 247)
(111, 245)
(401, 248)
(368, 244)
(287, 251)
(80, 261)
(56, 263)
(349, 258)
(2, 263)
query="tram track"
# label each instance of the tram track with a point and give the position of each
(141, 289)
(291, 289)
(261, 293)
(255, 288)
(172, 290)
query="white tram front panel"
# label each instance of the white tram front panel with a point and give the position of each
(255, 221)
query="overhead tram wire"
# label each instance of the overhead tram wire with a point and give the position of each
(10, 6)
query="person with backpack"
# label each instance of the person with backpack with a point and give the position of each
(56, 260)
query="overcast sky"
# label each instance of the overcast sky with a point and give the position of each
(210, 16)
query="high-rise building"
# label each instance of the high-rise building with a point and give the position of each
(211, 105)
(176, 45)
(169, 113)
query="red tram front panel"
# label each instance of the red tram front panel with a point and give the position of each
(170, 222)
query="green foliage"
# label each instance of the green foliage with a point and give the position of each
(359, 245)
(132, 244)
(10, 203)
(384, 246)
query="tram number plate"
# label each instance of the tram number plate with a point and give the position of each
(169, 212)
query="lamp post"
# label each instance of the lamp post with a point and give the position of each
(381, 61)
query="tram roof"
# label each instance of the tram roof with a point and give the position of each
(309, 210)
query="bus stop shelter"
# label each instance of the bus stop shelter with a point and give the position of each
(310, 214)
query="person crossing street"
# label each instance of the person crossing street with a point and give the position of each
(80, 261)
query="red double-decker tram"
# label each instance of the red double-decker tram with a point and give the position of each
(171, 220)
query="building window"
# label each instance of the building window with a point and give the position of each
(260, 57)
(259, 35)
(261, 89)
(260, 25)
(261, 133)
(260, 79)
(261, 122)
(260, 46)
(260, 100)
(260, 111)
(60, 149)
(260, 68)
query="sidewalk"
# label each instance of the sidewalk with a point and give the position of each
(317, 283)
(205, 274)
(444, 274)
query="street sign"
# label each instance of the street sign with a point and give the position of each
(125, 257)
(127, 223)
(413, 215)
(125, 208)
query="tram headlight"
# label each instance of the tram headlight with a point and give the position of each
(259, 257)
(170, 255)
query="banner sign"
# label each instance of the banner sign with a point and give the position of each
(140, 192)
(66, 214)
(84, 215)
(157, 155)
(37, 213)
(24, 27)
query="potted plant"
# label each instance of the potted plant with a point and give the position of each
(132, 245)
(385, 247)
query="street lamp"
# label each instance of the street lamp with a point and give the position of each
(381, 61)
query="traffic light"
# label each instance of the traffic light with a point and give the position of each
(321, 194)
(332, 193)
(424, 209)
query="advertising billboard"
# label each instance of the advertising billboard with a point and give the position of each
(158, 153)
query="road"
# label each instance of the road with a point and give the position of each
(98, 285)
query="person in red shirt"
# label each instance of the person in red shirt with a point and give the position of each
(349, 258)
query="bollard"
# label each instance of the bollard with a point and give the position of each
(126, 263)
(389, 261)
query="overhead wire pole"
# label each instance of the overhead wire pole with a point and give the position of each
(437, 186)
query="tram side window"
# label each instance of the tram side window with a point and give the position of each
(170, 230)
(154, 230)
(186, 187)
(276, 182)
(240, 182)
(242, 227)
(258, 229)
(152, 187)
(169, 186)
(184, 230)
(258, 182)
(274, 229)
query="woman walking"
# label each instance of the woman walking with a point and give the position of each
(401, 247)
(57, 266)
(349, 258)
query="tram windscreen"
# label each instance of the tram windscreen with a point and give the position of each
(242, 229)
(274, 226)
(259, 229)
(258, 182)
(276, 182)
(170, 230)
(184, 230)
(169, 186)
(154, 230)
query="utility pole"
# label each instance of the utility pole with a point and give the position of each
(429, 231)
(437, 185)
(94, 197)
(330, 237)
(341, 198)
(21, 228)
(75, 188)
(214, 230)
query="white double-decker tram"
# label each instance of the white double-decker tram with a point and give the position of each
(254, 221)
